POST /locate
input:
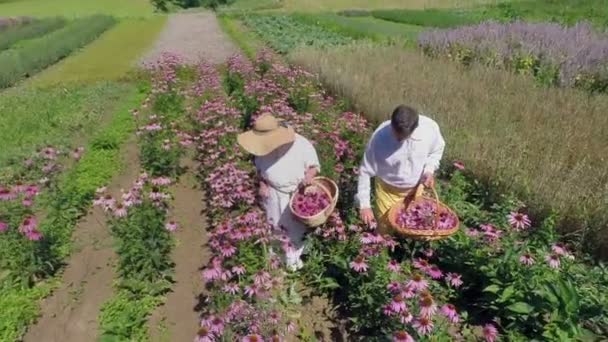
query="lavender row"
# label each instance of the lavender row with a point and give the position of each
(574, 56)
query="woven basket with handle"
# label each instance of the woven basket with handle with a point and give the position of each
(430, 233)
(331, 189)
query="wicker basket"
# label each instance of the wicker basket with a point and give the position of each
(431, 233)
(331, 189)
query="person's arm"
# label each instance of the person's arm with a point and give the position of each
(366, 171)
(434, 158)
(312, 166)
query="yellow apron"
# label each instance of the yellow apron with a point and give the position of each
(386, 196)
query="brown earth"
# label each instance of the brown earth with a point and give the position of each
(70, 314)
(178, 319)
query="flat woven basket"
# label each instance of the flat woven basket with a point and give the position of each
(331, 189)
(431, 233)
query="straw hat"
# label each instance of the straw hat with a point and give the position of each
(267, 135)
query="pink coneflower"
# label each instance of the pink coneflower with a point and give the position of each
(367, 238)
(3, 227)
(120, 210)
(471, 232)
(454, 279)
(32, 190)
(101, 190)
(161, 181)
(227, 249)
(77, 153)
(434, 272)
(406, 317)
(490, 333)
(33, 235)
(559, 249)
(261, 277)
(359, 264)
(251, 290)
(393, 266)
(393, 287)
(449, 311)
(402, 336)
(423, 325)
(171, 226)
(253, 338)
(7, 195)
(418, 283)
(429, 252)
(519, 221)
(204, 334)
(276, 338)
(274, 317)
(421, 264)
(458, 165)
(217, 326)
(231, 288)
(339, 168)
(238, 270)
(527, 259)
(408, 291)
(427, 307)
(553, 260)
(291, 327)
(398, 304)
(386, 309)
(27, 202)
(28, 224)
(19, 187)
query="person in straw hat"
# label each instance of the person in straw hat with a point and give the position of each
(284, 160)
(402, 153)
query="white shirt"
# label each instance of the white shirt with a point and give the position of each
(400, 164)
(284, 168)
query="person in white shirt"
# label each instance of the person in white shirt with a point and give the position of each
(402, 153)
(284, 160)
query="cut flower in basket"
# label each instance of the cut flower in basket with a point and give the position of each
(422, 215)
(310, 201)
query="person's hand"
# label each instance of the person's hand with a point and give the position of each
(367, 216)
(264, 191)
(428, 179)
(309, 175)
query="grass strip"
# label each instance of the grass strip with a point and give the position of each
(74, 195)
(37, 54)
(238, 33)
(28, 31)
(110, 57)
(76, 8)
(428, 18)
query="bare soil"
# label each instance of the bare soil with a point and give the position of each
(70, 314)
(192, 36)
(178, 319)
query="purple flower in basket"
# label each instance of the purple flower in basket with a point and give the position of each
(423, 215)
(310, 203)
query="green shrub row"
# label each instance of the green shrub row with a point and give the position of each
(28, 31)
(429, 18)
(35, 55)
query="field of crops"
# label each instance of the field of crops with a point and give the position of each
(128, 211)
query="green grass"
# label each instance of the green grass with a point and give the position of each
(76, 189)
(76, 8)
(34, 55)
(238, 33)
(335, 5)
(110, 57)
(33, 117)
(28, 31)
(431, 17)
(363, 27)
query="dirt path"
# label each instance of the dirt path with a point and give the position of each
(178, 319)
(192, 36)
(70, 314)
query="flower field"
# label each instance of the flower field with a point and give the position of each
(502, 277)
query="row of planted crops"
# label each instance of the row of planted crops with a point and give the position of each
(500, 277)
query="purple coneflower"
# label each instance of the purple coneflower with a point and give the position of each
(253, 338)
(408, 291)
(217, 326)
(29, 223)
(449, 311)
(393, 287)
(454, 279)
(161, 181)
(559, 249)
(251, 290)
(418, 283)
(519, 221)
(359, 264)
(7, 195)
(434, 272)
(393, 266)
(406, 317)
(553, 260)
(402, 336)
(421, 264)
(458, 165)
(238, 270)
(120, 210)
(427, 307)
(227, 249)
(231, 288)
(527, 259)
(274, 317)
(490, 333)
(398, 304)
(204, 334)
(423, 325)
(261, 277)
(33, 235)
(3, 227)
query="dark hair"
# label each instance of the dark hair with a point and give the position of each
(404, 120)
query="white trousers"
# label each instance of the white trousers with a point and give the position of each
(279, 215)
